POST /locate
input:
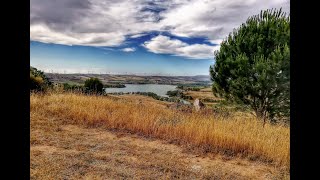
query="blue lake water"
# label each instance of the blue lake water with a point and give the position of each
(159, 89)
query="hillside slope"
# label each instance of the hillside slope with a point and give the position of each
(85, 137)
(62, 151)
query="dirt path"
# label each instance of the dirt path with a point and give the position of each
(73, 152)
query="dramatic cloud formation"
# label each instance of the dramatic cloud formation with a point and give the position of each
(110, 22)
(214, 19)
(165, 45)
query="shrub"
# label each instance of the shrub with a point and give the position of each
(175, 93)
(73, 87)
(38, 81)
(93, 85)
(114, 86)
(189, 87)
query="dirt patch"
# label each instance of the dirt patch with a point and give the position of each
(76, 152)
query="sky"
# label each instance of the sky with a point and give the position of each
(143, 37)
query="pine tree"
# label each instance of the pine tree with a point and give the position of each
(253, 65)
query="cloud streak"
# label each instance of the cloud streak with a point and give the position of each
(128, 49)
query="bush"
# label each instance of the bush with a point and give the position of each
(93, 85)
(210, 100)
(73, 87)
(187, 97)
(194, 89)
(175, 93)
(189, 88)
(38, 81)
(114, 86)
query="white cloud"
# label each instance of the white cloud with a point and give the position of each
(92, 23)
(109, 22)
(128, 49)
(214, 19)
(42, 33)
(164, 45)
(138, 35)
(216, 41)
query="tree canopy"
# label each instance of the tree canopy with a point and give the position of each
(253, 65)
(93, 85)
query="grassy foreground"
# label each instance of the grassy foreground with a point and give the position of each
(237, 136)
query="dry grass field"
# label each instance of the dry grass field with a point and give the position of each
(205, 93)
(74, 136)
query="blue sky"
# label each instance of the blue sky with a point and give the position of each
(131, 57)
(160, 37)
(84, 59)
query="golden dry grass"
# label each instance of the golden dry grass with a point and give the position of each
(205, 93)
(62, 151)
(236, 136)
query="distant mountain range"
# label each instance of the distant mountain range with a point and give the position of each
(129, 79)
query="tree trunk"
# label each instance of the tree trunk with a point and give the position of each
(264, 121)
(261, 114)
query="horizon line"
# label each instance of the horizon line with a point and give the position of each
(121, 74)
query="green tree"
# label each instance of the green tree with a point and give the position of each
(93, 85)
(253, 65)
(73, 87)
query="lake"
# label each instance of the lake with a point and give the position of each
(159, 89)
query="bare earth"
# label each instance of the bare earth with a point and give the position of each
(64, 151)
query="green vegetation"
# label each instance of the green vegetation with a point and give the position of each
(178, 94)
(253, 66)
(150, 94)
(130, 79)
(188, 88)
(175, 93)
(73, 87)
(192, 87)
(114, 86)
(210, 100)
(38, 81)
(227, 107)
(93, 85)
